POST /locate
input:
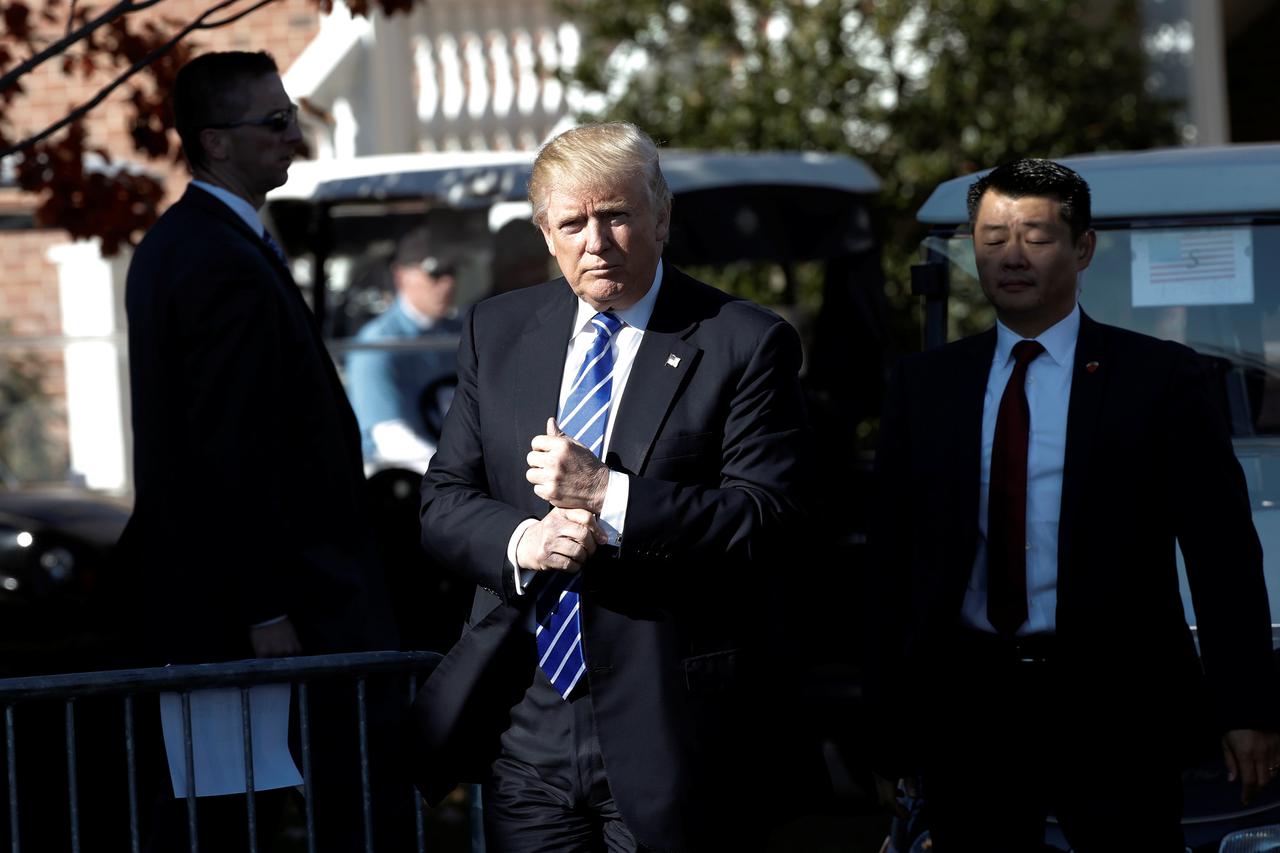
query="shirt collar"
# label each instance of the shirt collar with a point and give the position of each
(637, 316)
(238, 205)
(1059, 340)
(422, 321)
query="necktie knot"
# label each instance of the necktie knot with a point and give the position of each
(1025, 352)
(606, 324)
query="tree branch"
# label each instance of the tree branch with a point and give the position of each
(213, 25)
(122, 8)
(199, 23)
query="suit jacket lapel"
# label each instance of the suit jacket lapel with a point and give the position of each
(216, 208)
(663, 361)
(213, 207)
(971, 391)
(1087, 386)
(965, 395)
(540, 354)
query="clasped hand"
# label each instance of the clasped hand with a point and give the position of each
(561, 541)
(569, 477)
(565, 473)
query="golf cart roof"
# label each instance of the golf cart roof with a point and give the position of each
(1243, 179)
(486, 177)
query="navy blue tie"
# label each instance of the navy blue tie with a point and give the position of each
(584, 417)
(274, 246)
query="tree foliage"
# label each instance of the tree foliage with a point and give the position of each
(79, 186)
(922, 90)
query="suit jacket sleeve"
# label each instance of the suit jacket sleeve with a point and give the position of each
(761, 456)
(462, 525)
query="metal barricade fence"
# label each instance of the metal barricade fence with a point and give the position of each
(132, 683)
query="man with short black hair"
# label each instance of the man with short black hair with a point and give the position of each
(248, 536)
(1028, 651)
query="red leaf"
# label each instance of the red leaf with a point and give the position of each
(17, 19)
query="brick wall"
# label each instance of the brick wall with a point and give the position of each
(28, 299)
(284, 28)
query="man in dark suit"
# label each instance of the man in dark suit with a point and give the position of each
(1028, 643)
(248, 537)
(622, 454)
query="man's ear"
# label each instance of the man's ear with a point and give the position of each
(1085, 247)
(214, 143)
(664, 223)
(546, 236)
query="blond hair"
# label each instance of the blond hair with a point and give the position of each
(596, 156)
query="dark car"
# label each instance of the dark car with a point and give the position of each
(56, 581)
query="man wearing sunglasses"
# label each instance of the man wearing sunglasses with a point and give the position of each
(249, 536)
(401, 386)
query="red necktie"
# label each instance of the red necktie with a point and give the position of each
(1007, 504)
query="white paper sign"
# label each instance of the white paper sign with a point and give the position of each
(217, 740)
(1208, 266)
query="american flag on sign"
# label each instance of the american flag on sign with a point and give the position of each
(1197, 256)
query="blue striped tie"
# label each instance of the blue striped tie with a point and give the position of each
(584, 418)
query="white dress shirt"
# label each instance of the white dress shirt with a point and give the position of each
(238, 205)
(625, 344)
(1048, 395)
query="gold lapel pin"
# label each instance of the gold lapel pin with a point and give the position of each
(673, 360)
(1091, 366)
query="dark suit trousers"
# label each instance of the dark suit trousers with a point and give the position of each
(547, 791)
(1008, 745)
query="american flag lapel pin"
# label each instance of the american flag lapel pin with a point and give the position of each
(673, 360)
(1091, 366)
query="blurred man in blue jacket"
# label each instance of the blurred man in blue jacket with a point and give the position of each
(399, 392)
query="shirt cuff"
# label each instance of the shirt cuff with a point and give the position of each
(613, 513)
(519, 575)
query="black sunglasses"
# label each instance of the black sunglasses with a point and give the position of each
(277, 122)
(437, 268)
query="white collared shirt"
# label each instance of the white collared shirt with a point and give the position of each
(1048, 396)
(625, 345)
(238, 205)
(422, 321)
